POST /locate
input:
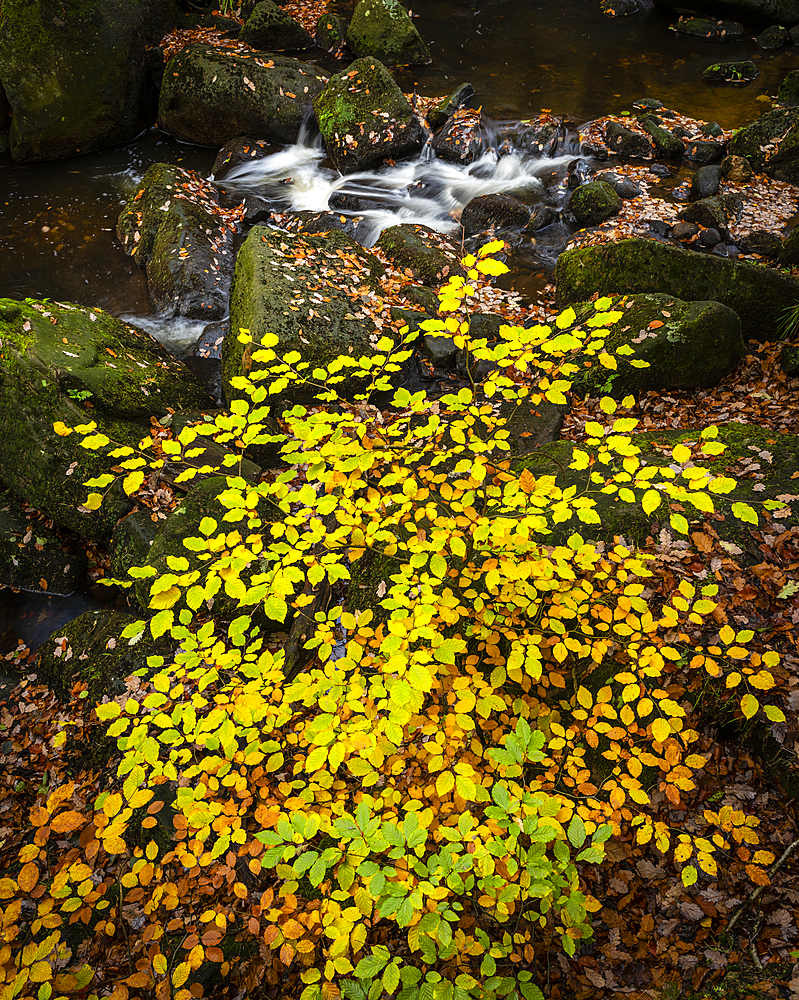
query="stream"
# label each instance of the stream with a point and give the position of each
(563, 56)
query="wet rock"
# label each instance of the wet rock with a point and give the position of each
(711, 129)
(594, 202)
(209, 343)
(774, 37)
(618, 8)
(704, 27)
(539, 136)
(771, 144)
(365, 118)
(543, 216)
(704, 151)
(757, 294)
(430, 257)
(705, 182)
(647, 104)
(89, 649)
(660, 170)
(211, 96)
(688, 345)
(624, 142)
(461, 140)
(383, 29)
(684, 230)
(257, 210)
(748, 11)
(494, 211)
(788, 91)
(35, 558)
(720, 250)
(736, 169)
(179, 240)
(76, 74)
(56, 358)
(666, 142)
(440, 351)
(440, 113)
(273, 30)
(789, 360)
(331, 30)
(273, 272)
(131, 541)
(579, 172)
(237, 153)
(659, 227)
(741, 72)
(709, 237)
(793, 35)
(324, 222)
(789, 252)
(762, 242)
(713, 213)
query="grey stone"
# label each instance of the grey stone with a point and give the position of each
(594, 202)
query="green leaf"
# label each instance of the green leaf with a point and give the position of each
(744, 512)
(391, 978)
(576, 831)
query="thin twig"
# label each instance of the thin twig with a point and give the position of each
(755, 895)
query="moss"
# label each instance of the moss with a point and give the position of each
(771, 144)
(421, 251)
(384, 29)
(271, 29)
(594, 202)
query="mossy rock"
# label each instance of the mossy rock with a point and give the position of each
(131, 540)
(710, 28)
(788, 91)
(56, 360)
(714, 212)
(75, 72)
(754, 11)
(273, 30)
(666, 142)
(365, 118)
(178, 240)
(758, 294)
(740, 72)
(494, 211)
(383, 28)
(275, 269)
(430, 257)
(34, 558)
(625, 142)
(89, 649)
(440, 113)
(205, 98)
(330, 32)
(771, 144)
(688, 345)
(594, 202)
(184, 522)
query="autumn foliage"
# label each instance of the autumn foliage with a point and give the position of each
(410, 807)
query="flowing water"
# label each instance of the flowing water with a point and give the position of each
(522, 58)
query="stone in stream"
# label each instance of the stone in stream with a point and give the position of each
(705, 182)
(237, 152)
(687, 345)
(754, 11)
(76, 74)
(789, 252)
(331, 31)
(383, 29)
(757, 294)
(461, 139)
(666, 142)
(793, 35)
(736, 169)
(543, 216)
(788, 91)
(594, 202)
(273, 30)
(430, 257)
(624, 142)
(494, 211)
(618, 8)
(683, 230)
(743, 71)
(56, 358)
(211, 96)
(182, 242)
(705, 27)
(365, 118)
(763, 243)
(771, 144)
(774, 37)
(704, 151)
(438, 115)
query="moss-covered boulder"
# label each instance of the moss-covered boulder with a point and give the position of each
(594, 202)
(330, 32)
(185, 246)
(789, 251)
(743, 71)
(755, 11)
(715, 212)
(758, 294)
(56, 360)
(131, 540)
(273, 30)
(441, 112)
(34, 557)
(365, 118)
(383, 28)
(311, 291)
(626, 142)
(75, 72)
(167, 551)
(90, 649)
(428, 256)
(210, 96)
(494, 211)
(771, 144)
(788, 91)
(666, 142)
(709, 28)
(687, 345)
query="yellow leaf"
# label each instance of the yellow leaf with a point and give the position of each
(682, 852)
(749, 705)
(132, 482)
(681, 454)
(689, 875)
(651, 501)
(445, 782)
(661, 730)
(61, 428)
(160, 965)
(40, 972)
(181, 974)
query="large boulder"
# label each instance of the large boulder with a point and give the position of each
(210, 96)
(429, 257)
(312, 292)
(383, 28)
(757, 11)
(757, 294)
(365, 118)
(687, 345)
(63, 362)
(494, 211)
(170, 226)
(75, 72)
(272, 29)
(771, 144)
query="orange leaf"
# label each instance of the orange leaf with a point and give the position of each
(287, 954)
(28, 876)
(67, 821)
(655, 324)
(617, 797)
(293, 929)
(39, 816)
(757, 875)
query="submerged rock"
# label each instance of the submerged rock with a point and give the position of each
(312, 292)
(210, 96)
(705, 27)
(494, 211)
(237, 153)
(273, 30)
(75, 73)
(774, 37)
(57, 357)
(594, 202)
(383, 28)
(743, 71)
(181, 243)
(748, 11)
(688, 345)
(543, 216)
(771, 144)
(365, 118)
(757, 294)
(430, 257)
